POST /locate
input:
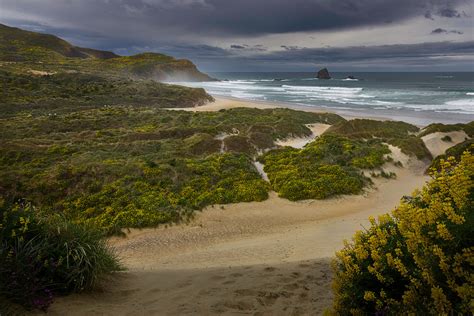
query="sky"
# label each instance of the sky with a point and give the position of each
(266, 35)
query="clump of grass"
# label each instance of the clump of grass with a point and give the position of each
(42, 257)
(398, 164)
(384, 174)
(447, 139)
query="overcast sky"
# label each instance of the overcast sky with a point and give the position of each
(266, 35)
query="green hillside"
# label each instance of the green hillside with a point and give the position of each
(24, 51)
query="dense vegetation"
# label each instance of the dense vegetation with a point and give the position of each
(23, 51)
(419, 259)
(36, 94)
(328, 166)
(45, 256)
(398, 134)
(131, 165)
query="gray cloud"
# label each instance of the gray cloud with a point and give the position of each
(449, 13)
(289, 47)
(143, 18)
(249, 48)
(444, 31)
(426, 56)
(237, 46)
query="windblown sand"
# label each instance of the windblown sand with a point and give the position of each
(258, 258)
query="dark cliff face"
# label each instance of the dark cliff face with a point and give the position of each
(323, 74)
(25, 49)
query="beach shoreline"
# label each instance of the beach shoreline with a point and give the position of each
(420, 119)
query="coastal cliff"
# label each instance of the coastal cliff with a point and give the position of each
(22, 51)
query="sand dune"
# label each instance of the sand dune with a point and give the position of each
(299, 142)
(258, 258)
(437, 146)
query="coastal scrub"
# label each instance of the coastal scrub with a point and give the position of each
(418, 259)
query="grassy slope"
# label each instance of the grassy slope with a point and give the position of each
(130, 163)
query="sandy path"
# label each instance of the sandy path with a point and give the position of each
(266, 258)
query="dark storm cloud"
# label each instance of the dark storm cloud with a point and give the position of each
(237, 46)
(388, 52)
(427, 55)
(449, 13)
(249, 48)
(444, 31)
(287, 47)
(166, 18)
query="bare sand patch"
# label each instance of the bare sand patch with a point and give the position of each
(437, 146)
(299, 142)
(40, 73)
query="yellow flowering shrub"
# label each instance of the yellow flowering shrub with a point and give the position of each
(420, 258)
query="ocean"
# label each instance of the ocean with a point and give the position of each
(419, 98)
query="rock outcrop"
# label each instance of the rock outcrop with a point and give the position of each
(323, 74)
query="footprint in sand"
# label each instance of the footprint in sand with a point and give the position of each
(291, 287)
(270, 269)
(245, 292)
(228, 282)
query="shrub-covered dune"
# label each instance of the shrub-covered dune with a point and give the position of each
(330, 165)
(418, 260)
(398, 134)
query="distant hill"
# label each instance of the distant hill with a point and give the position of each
(26, 51)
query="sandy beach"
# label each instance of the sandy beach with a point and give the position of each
(259, 258)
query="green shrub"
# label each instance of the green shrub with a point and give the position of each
(419, 259)
(44, 257)
(447, 139)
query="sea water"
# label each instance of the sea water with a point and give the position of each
(420, 98)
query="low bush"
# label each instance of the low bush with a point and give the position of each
(419, 259)
(43, 257)
(447, 139)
